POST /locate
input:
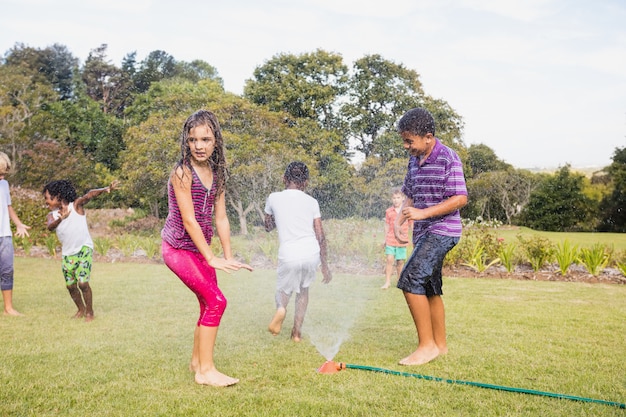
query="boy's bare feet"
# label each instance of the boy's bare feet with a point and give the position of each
(384, 287)
(420, 356)
(88, 318)
(79, 315)
(12, 312)
(215, 378)
(277, 321)
(296, 336)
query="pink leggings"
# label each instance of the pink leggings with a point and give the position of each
(194, 271)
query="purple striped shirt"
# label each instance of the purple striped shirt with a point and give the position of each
(439, 178)
(203, 199)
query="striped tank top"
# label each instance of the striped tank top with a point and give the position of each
(174, 232)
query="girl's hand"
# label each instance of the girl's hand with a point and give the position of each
(228, 265)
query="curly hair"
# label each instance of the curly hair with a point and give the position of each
(297, 172)
(417, 121)
(217, 160)
(61, 189)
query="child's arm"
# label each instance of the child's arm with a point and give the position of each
(81, 201)
(53, 223)
(270, 223)
(21, 228)
(321, 238)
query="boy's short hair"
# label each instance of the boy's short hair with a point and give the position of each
(417, 121)
(396, 190)
(5, 163)
(297, 172)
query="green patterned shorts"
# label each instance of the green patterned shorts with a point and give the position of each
(77, 267)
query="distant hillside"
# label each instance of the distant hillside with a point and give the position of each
(587, 171)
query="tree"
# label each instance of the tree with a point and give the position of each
(21, 98)
(157, 66)
(558, 203)
(106, 83)
(81, 125)
(613, 206)
(152, 148)
(380, 91)
(500, 195)
(303, 86)
(197, 70)
(49, 160)
(54, 64)
(481, 158)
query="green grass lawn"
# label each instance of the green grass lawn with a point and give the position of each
(582, 239)
(560, 337)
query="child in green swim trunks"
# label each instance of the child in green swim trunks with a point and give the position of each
(68, 219)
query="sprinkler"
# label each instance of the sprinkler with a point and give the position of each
(330, 367)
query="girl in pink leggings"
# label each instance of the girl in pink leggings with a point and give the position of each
(197, 204)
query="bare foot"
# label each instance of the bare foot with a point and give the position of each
(420, 356)
(88, 318)
(193, 367)
(12, 312)
(277, 321)
(215, 378)
(384, 287)
(79, 315)
(296, 336)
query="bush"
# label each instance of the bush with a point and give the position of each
(538, 250)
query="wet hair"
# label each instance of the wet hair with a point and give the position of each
(417, 121)
(217, 160)
(61, 189)
(5, 163)
(297, 172)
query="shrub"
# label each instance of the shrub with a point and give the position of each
(102, 245)
(595, 258)
(478, 260)
(538, 250)
(508, 256)
(566, 254)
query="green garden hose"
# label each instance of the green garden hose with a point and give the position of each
(481, 385)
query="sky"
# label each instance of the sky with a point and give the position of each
(541, 82)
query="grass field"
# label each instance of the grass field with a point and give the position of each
(559, 337)
(582, 239)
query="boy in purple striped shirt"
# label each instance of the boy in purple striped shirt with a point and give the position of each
(435, 190)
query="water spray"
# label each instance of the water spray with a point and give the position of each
(331, 367)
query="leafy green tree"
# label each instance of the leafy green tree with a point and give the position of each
(481, 158)
(380, 91)
(48, 160)
(157, 66)
(53, 64)
(173, 97)
(613, 206)
(81, 125)
(105, 83)
(500, 195)
(197, 70)
(304, 86)
(558, 203)
(152, 148)
(21, 98)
